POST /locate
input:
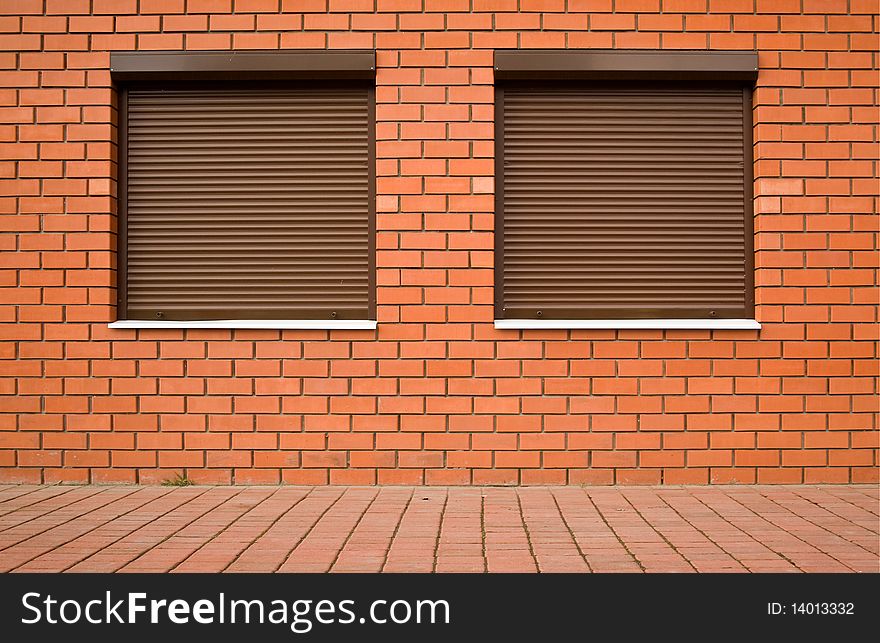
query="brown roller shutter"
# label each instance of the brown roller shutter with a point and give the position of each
(246, 202)
(624, 201)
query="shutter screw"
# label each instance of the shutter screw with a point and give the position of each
(540, 313)
(333, 314)
(712, 313)
(160, 315)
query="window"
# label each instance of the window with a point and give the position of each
(246, 186)
(624, 185)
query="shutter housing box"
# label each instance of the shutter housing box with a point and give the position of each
(246, 199)
(620, 197)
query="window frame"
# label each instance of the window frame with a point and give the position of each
(524, 69)
(258, 70)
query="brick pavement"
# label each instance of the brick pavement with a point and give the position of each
(423, 529)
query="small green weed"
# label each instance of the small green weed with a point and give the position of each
(179, 480)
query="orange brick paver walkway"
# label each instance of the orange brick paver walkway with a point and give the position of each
(458, 529)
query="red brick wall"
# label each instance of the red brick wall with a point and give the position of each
(436, 395)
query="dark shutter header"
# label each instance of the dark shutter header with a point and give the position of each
(243, 65)
(642, 64)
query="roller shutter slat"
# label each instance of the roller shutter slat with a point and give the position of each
(622, 202)
(248, 203)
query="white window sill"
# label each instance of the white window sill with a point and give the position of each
(627, 324)
(272, 324)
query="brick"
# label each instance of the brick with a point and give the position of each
(436, 379)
